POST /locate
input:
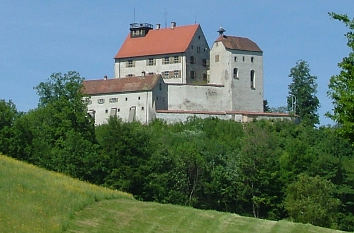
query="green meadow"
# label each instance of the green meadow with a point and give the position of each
(36, 200)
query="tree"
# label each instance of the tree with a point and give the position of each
(302, 98)
(59, 134)
(266, 107)
(341, 86)
(310, 200)
(8, 114)
(62, 99)
(258, 171)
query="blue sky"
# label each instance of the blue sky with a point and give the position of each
(38, 38)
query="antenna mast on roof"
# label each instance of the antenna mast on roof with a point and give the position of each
(165, 17)
(134, 16)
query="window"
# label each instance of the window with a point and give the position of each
(151, 62)
(204, 61)
(192, 59)
(138, 97)
(130, 75)
(165, 74)
(252, 59)
(176, 73)
(142, 108)
(151, 73)
(216, 58)
(192, 74)
(160, 86)
(100, 101)
(253, 81)
(166, 60)
(87, 101)
(130, 63)
(235, 72)
(235, 59)
(118, 109)
(198, 49)
(176, 59)
(198, 37)
(106, 111)
(113, 112)
(243, 58)
(192, 47)
(126, 98)
(92, 113)
(113, 100)
(205, 77)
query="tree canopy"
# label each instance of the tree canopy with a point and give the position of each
(341, 86)
(302, 98)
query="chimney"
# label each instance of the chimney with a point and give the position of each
(105, 77)
(158, 26)
(173, 24)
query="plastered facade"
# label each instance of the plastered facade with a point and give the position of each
(179, 67)
(243, 94)
(129, 106)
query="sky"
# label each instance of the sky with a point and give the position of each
(41, 37)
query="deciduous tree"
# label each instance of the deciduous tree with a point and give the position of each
(302, 98)
(341, 86)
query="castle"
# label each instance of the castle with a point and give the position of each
(172, 74)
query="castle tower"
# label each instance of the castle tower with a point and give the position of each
(237, 63)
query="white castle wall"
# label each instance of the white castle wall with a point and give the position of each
(197, 97)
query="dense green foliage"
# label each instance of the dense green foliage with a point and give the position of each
(341, 86)
(302, 98)
(250, 169)
(36, 200)
(310, 200)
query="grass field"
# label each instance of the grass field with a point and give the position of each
(35, 200)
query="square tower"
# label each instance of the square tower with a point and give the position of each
(237, 63)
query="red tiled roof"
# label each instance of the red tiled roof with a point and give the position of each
(158, 41)
(117, 85)
(239, 43)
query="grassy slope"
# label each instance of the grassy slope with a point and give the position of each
(35, 200)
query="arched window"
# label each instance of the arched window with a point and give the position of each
(253, 81)
(235, 72)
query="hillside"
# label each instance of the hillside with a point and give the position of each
(35, 200)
